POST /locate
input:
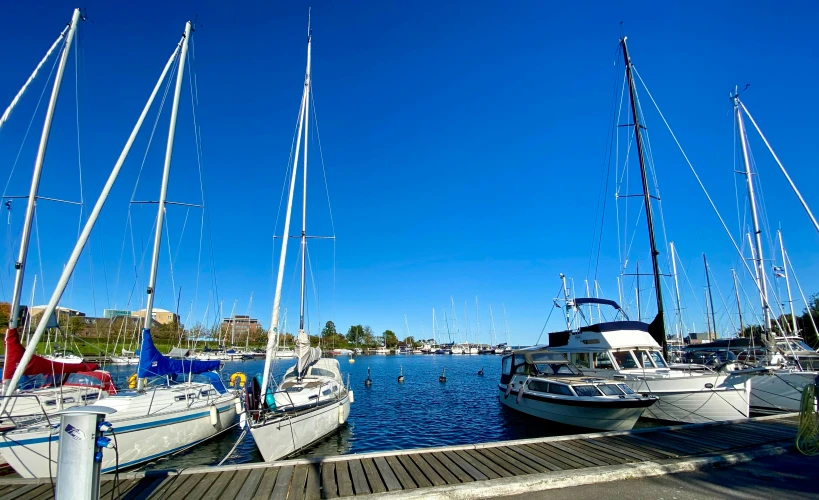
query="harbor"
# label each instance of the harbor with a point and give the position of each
(176, 302)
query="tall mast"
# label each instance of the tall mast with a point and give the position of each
(273, 334)
(787, 280)
(304, 174)
(710, 296)
(249, 315)
(466, 320)
(233, 324)
(637, 293)
(20, 265)
(406, 325)
(676, 285)
(492, 324)
(505, 322)
(760, 265)
(591, 318)
(659, 321)
(434, 328)
(477, 321)
(739, 304)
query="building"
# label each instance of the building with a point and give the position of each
(62, 312)
(161, 316)
(240, 326)
(115, 313)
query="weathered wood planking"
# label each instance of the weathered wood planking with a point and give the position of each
(365, 474)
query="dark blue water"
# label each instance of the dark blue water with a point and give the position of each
(420, 412)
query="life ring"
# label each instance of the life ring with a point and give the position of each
(132, 381)
(238, 378)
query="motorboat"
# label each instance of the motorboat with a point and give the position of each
(624, 350)
(545, 385)
(382, 350)
(358, 351)
(500, 349)
(473, 350)
(457, 349)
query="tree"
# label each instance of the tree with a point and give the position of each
(410, 341)
(369, 336)
(355, 335)
(805, 324)
(329, 329)
(390, 339)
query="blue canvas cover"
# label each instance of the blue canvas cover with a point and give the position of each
(152, 363)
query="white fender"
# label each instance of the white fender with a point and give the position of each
(214, 416)
(238, 403)
(508, 390)
(520, 393)
(341, 414)
(352, 398)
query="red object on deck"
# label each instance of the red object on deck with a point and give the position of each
(38, 364)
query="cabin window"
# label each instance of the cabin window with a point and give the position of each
(506, 365)
(68, 400)
(658, 359)
(326, 392)
(580, 359)
(602, 360)
(586, 390)
(560, 389)
(321, 372)
(625, 360)
(539, 386)
(625, 388)
(644, 359)
(522, 369)
(609, 390)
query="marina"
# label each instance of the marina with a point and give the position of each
(158, 379)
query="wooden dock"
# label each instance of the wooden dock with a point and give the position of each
(394, 471)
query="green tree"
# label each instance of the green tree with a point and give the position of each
(355, 335)
(369, 336)
(329, 329)
(410, 341)
(806, 325)
(390, 339)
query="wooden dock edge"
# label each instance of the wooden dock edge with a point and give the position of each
(563, 479)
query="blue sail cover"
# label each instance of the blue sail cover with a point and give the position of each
(152, 363)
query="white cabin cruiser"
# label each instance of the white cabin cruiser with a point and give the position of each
(545, 385)
(624, 350)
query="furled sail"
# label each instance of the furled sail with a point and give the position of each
(38, 364)
(153, 363)
(306, 355)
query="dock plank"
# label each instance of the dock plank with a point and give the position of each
(449, 465)
(359, 478)
(312, 490)
(390, 481)
(28, 491)
(467, 467)
(428, 471)
(202, 486)
(602, 452)
(267, 483)
(174, 483)
(567, 458)
(415, 473)
(552, 465)
(328, 480)
(614, 448)
(345, 484)
(440, 469)
(474, 462)
(680, 450)
(282, 485)
(487, 461)
(523, 467)
(298, 483)
(503, 462)
(566, 447)
(401, 473)
(650, 450)
(373, 477)
(248, 490)
(235, 484)
(553, 458)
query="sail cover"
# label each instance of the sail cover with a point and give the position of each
(152, 363)
(38, 364)
(306, 355)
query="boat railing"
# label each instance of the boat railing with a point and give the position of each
(28, 419)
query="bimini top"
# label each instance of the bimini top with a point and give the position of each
(592, 300)
(540, 354)
(152, 363)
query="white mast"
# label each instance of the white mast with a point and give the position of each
(505, 323)
(249, 315)
(676, 285)
(272, 338)
(760, 264)
(787, 281)
(466, 320)
(477, 321)
(86, 232)
(434, 329)
(591, 318)
(233, 324)
(492, 325)
(20, 265)
(406, 325)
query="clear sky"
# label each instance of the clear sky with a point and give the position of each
(464, 146)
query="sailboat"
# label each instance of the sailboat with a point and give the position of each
(53, 383)
(634, 351)
(311, 401)
(160, 417)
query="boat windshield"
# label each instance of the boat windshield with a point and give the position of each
(793, 344)
(555, 369)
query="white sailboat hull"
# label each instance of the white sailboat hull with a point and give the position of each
(33, 452)
(288, 433)
(780, 390)
(606, 419)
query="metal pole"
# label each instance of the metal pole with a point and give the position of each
(760, 265)
(304, 174)
(787, 281)
(163, 191)
(710, 296)
(676, 285)
(86, 233)
(739, 304)
(639, 311)
(20, 265)
(660, 320)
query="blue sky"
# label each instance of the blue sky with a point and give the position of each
(464, 145)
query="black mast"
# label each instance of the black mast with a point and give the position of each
(657, 327)
(710, 297)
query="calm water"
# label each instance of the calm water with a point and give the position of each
(387, 416)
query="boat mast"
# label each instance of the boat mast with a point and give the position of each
(505, 323)
(787, 280)
(434, 329)
(304, 174)
(477, 321)
(20, 265)
(676, 285)
(739, 304)
(637, 293)
(760, 265)
(492, 324)
(249, 315)
(163, 191)
(660, 319)
(233, 324)
(710, 296)
(273, 333)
